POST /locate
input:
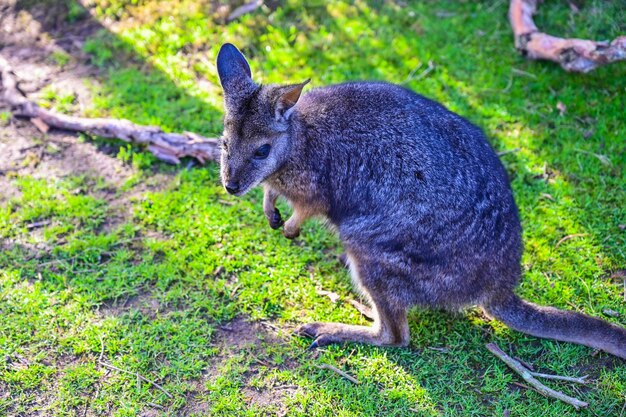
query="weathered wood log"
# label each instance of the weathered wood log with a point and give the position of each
(574, 55)
(168, 147)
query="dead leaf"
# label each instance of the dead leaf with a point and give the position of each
(334, 297)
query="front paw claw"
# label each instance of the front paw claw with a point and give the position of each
(276, 220)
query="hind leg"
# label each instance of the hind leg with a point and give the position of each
(390, 327)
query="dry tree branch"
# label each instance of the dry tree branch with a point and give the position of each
(168, 147)
(575, 55)
(529, 376)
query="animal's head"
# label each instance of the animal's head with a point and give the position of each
(256, 139)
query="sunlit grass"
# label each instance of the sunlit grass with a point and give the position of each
(150, 294)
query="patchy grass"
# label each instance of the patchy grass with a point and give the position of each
(192, 289)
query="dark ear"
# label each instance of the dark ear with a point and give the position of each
(232, 67)
(288, 98)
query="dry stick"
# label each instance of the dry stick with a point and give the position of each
(508, 151)
(578, 380)
(160, 407)
(529, 377)
(244, 9)
(139, 376)
(568, 237)
(575, 55)
(338, 371)
(168, 147)
(363, 309)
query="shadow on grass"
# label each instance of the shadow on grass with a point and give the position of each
(200, 230)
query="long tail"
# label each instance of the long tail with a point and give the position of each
(550, 323)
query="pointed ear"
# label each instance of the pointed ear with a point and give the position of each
(232, 68)
(288, 98)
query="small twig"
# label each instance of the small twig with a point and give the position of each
(604, 160)
(278, 331)
(578, 380)
(139, 376)
(157, 406)
(286, 387)
(524, 73)
(367, 312)
(568, 237)
(529, 377)
(412, 73)
(101, 348)
(423, 74)
(440, 349)
(508, 151)
(95, 397)
(36, 225)
(244, 9)
(338, 371)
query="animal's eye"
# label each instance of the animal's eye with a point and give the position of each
(262, 152)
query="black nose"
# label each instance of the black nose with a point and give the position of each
(232, 187)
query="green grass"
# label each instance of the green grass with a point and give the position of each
(152, 295)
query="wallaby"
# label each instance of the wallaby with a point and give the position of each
(420, 200)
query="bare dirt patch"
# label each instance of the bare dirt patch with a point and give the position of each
(232, 340)
(24, 150)
(45, 52)
(144, 302)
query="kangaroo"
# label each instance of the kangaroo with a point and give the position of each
(420, 201)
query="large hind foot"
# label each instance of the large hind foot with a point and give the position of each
(326, 333)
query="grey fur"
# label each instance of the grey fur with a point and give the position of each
(418, 197)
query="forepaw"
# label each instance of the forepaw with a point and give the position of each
(291, 233)
(275, 219)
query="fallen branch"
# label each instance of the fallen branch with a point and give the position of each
(338, 371)
(575, 55)
(529, 376)
(168, 147)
